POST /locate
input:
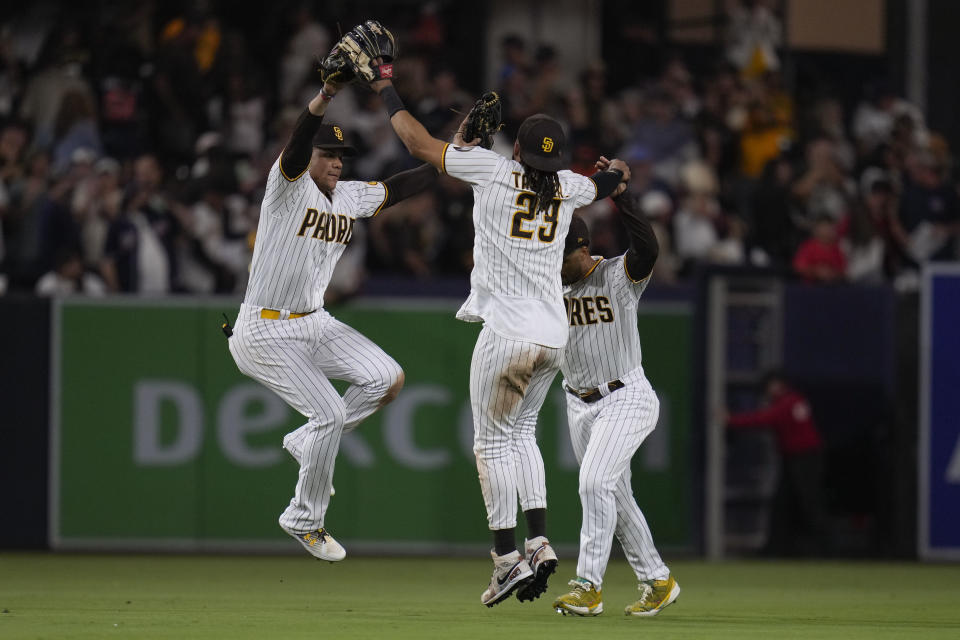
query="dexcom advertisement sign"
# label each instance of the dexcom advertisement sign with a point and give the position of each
(160, 443)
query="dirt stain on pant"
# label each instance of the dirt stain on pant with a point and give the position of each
(512, 383)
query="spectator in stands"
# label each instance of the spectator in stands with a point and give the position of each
(754, 32)
(696, 225)
(875, 243)
(823, 189)
(455, 208)
(768, 125)
(873, 121)
(929, 209)
(97, 201)
(514, 52)
(407, 241)
(440, 111)
(75, 128)
(140, 249)
(309, 40)
(665, 134)
(60, 73)
(69, 277)
(820, 258)
(774, 231)
(798, 518)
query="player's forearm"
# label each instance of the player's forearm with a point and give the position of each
(644, 248)
(318, 106)
(296, 155)
(414, 135)
(409, 183)
(607, 182)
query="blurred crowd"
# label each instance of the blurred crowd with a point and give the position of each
(134, 161)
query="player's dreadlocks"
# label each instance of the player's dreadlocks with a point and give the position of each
(544, 184)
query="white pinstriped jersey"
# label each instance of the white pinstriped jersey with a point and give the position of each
(602, 309)
(300, 237)
(517, 252)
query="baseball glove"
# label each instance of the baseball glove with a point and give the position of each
(361, 47)
(484, 120)
(336, 68)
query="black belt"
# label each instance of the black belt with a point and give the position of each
(595, 394)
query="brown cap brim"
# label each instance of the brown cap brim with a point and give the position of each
(348, 151)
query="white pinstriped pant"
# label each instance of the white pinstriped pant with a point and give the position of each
(509, 380)
(605, 434)
(296, 358)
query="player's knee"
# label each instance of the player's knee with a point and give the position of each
(592, 483)
(332, 415)
(395, 383)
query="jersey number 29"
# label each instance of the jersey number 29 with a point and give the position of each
(547, 231)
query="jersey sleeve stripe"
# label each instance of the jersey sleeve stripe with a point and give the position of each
(630, 277)
(386, 196)
(443, 158)
(284, 173)
(596, 189)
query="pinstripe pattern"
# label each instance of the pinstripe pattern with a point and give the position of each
(300, 237)
(599, 351)
(515, 282)
(515, 291)
(509, 380)
(606, 434)
(295, 358)
(291, 271)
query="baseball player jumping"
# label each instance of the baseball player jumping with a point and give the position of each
(284, 338)
(522, 209)
(611, 409)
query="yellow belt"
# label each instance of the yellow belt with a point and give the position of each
(273, 314)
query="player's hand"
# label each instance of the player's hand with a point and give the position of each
(602, 164)
(458, 140)
(621, 166)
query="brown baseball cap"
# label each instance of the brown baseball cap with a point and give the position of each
(333, 137)
(542, 142)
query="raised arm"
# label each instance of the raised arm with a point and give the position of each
(296, 155)
(402, 185)
(414, 136)
(644, 248)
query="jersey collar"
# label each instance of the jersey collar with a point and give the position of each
(589, 271)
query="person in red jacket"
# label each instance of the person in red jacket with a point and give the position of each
(798, 520)
(820, 258)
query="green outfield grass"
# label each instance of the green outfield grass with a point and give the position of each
(101, 596)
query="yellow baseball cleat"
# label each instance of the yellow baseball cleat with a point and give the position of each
(654, 596)
(583, 599)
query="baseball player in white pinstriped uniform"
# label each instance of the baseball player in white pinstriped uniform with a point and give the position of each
(611, 409)
(522, 209)
(285, 339)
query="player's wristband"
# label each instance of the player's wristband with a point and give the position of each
(392, 100)
(326, 97)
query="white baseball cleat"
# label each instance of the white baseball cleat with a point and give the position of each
(543, 562)
(509, 572)
(320, 544)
